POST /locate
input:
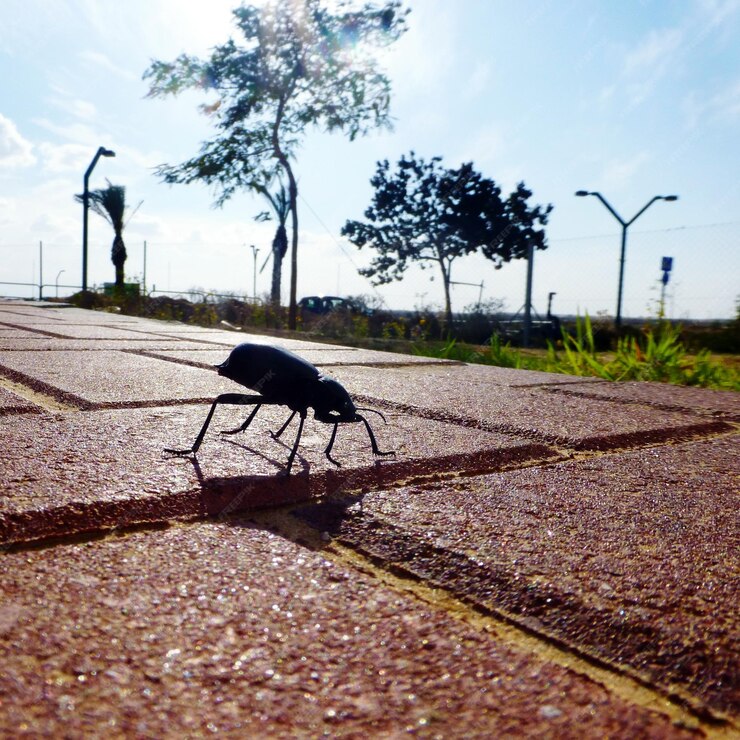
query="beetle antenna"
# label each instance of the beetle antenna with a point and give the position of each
(373, 411)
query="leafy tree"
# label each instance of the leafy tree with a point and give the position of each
(428, 214)
(279, 201)
(300, 66)
(110, 204)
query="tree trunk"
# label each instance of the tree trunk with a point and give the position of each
(293, 191)
(118, 257)
(279, 250)
(446, 278)
(293, 197)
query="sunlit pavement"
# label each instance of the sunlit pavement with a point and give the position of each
(545, 555)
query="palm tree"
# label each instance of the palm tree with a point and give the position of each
(110, 203)
(280, 205)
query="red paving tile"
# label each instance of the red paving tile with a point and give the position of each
(224, 628)
(154, 343)
(477, 375)
(89, 331)
(465, 394)
(628, 559)
(110, 377)
(634, 557)
(11, 334)
(29, 315)
(12, 403)
(107, 468)
(320, 356)
(723, 404)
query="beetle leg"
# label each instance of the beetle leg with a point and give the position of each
(244, 426)
(229, 398)
(276, 435)
(331, 444)
(297, 440)
(374, 445)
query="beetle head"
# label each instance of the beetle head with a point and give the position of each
(332, 396)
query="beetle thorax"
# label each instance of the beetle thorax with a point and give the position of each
(331, 395)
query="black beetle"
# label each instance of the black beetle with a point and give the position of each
(284, 379)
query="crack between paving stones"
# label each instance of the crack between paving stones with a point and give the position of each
(502, 626)
(677, 697)
(511, 633)
(622, 441)
(42, 395)
(676, 408)
(42, 332)
(629, 685)
(506, 628)
(208, 366)
(216, 496)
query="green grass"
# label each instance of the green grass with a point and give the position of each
(656, 356)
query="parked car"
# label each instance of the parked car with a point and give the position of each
(326, 304)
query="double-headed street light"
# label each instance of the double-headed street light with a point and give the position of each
(625, 225)
(102, 152)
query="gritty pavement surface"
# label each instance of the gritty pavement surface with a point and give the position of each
(544, 556)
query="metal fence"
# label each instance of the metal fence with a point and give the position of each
(703, 283)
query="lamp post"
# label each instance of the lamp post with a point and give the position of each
(102, 152)
(56, 282)
(625, 225)
(254, 273)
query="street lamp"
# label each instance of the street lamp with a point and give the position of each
(57, 281)
(255, 250)
(625, 225)
(102, 152)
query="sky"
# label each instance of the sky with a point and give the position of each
(631, 99)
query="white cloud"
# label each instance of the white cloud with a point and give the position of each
(617, 174)
(646, 65)
(654, 50)
(78, 133)
(61, 158)
(727, 102)
(717, 12)
(485, 148)
(101, 61)
(723, 105)
(75, 106)
(15, 151)
(478, 82)
(7, 211)
(421, 62)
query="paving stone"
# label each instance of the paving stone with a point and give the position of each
(41, 343)
(224, 628)
(108, 378)
(512, 378)
(90, 331)
(29, 315)
(229, 338)
(722, 404)
(81, 471)
(471, 395)
(319, 356)
(10, 334)
(628, 559)
(12, 403)
(632, 557)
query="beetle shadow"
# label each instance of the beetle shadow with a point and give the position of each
(300, 459)
(331, 492)
(330, 515)
(220, 496)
